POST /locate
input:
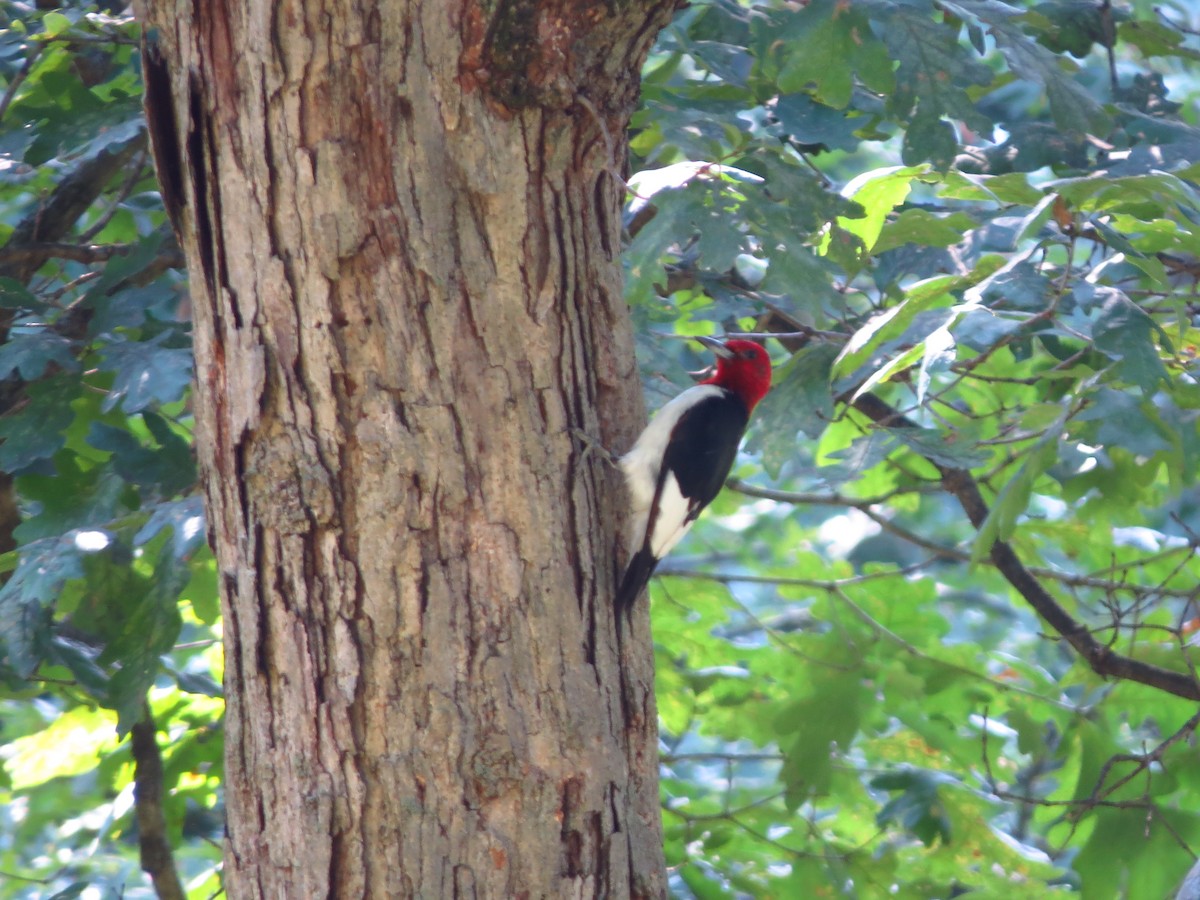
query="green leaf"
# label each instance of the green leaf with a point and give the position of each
(1074, 26)
(123, 267)
(677, 211)
(824, 715)
(201, 590)
(810, 122)
(944, 448)
(138, 621)
(937, 356)
(166, 470)
(146, 373)
(186, 519)
(72, 744)
(1019, 285)
(1155, 39)
(878, 193)
(801, 203)
(918, 808)
(1013, 498)
(796, 272)
(34, 585)
(130, 307)
(825, 44)
(799, 401)
(15, 295)
(1031, 732)
(728, 62)
(72, 120)
(1014, 188)
(1125, 332)
(197, 683)
(1073, 107)
(72, 495)
(30, 352)
(920, 226)
(933, 67)
(883, 327)
(80, 660)
(930, 138)
(54, 24)
(1140, 195)
(1148, 856)
(36, 431)
(896, 365)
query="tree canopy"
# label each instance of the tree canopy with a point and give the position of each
(939, 635)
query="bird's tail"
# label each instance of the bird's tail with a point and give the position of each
(641, 567)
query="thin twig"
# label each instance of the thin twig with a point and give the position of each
(135, 175)
(837, 336)
(1093, 580)
(13, 86)
(1102, 659)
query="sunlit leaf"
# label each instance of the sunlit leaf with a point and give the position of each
(70, 745)
(798, 402)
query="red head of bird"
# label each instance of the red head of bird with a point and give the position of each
(742, 367)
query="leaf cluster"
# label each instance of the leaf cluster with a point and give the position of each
(108, 609)
(939, 637)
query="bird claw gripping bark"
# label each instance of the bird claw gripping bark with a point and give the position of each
(592, 445)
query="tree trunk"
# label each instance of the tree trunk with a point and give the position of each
(402, 229)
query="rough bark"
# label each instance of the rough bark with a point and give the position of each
(402, 243)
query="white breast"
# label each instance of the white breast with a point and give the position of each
(641, 466)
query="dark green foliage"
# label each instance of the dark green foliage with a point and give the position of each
(109, 599)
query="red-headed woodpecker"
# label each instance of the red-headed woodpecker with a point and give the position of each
(680, 462)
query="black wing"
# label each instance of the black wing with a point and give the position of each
(703, 447)
(700, 454)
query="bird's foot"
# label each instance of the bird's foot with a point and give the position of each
(592, 445)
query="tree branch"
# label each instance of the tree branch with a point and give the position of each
(942, 551)
(53, 219)
(1103, 660)
(1102, 791)
(38, 252)
(17, 80)
(155, 850)
(136, 173)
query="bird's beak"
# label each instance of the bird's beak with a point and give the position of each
(715, 346)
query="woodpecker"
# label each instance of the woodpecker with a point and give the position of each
(680, 461)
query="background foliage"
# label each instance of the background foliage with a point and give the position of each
(108, 613)
(975, 226)
(972, 229)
